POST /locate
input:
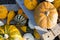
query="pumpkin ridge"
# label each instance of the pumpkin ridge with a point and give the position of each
(49, 21)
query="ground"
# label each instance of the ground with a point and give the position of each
(7, 2)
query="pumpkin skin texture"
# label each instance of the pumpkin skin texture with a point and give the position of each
(30, 4)
(3, 12)
(56, 3)
(46, 15)
(10, 32)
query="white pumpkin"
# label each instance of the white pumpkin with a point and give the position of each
(50, 0)
(28, 36)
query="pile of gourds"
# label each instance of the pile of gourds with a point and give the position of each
(17, 30)
(45, 15)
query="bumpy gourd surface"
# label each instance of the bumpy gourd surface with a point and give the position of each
(46, 15)
(11, 31)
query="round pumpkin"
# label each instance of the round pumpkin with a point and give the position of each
(3, 12)
(10, 32)
(30, 4)
(46, 15)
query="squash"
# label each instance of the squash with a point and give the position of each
(36, 34)
(20, 19)
(20, 12)
(3, 12)
(56, 3)
(30, 4)
(10, 32)
(46, 15)
(10, 16)
(23, 28)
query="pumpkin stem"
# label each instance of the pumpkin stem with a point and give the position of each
(46, 13)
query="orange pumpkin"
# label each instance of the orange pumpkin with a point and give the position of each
(3, 12)
(30, 4)
(46, 15)
(20, 11)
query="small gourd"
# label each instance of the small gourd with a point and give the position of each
(20, 19)
(24, 28)
(30, 4)
(10, 16)
(3, 12)
(20, 12)
(28, 36)
(36, 34)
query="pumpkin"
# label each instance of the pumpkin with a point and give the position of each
(10, 32)
(20, 11)
(10, 16)
(30, 4)
(36, 34)
(46, 15)
(20, 19)
(3, 12)
(56, 3)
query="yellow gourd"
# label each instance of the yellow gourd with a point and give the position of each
(36, 34)
(10, 16)
(10, 33)
(24, 28)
